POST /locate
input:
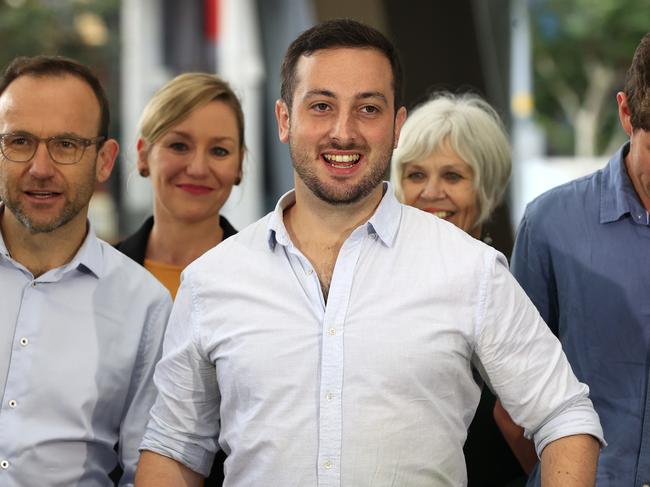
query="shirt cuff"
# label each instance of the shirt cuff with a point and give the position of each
(578, 419)
(189, 454)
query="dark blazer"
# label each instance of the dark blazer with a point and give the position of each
(135, 247)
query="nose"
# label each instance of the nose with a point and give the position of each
(344, 128)
(42, 166)
(433, 189)
(198, 165)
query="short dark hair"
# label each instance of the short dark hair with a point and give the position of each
(41, 66)
(637, 86)
(338, 33)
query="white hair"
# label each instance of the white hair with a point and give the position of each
(469, 126)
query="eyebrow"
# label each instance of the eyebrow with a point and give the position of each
(70, 135)
(359, 96)
(217, 138)
(457, 166)
(445, 167)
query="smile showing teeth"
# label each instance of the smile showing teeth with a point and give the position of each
(41, 194)
(342, 161)
(442, 214)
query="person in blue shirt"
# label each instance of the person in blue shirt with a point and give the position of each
(581, 255)
(81, 325)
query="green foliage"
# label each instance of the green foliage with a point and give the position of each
(47, 27)
(569, 38)
(51, 27)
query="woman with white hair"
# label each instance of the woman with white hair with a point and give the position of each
(454, 161)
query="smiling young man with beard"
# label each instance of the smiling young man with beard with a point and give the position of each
(81, 325)
(331, 343)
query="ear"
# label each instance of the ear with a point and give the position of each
(282, 115)
(142, 147)
(624, 113)
(240, 171)
(106, 160)
(400, 118)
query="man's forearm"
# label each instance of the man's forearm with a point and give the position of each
(156, 470)
(522, 448)
(570, 462)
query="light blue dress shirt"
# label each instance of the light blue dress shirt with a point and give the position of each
(374, 387)
(78, 346)
(583, 256)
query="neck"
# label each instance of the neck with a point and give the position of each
(178, 242)
(42, 251)
(312, 219)
(319, 229)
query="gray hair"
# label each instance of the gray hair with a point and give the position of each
(472, 129)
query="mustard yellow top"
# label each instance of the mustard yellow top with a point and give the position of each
(169, 275)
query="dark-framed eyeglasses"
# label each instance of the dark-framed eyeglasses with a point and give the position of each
(63, 149)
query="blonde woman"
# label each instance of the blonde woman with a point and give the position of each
(191, 145)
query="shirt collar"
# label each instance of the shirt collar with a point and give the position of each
(384, 222)
(88, 258)
(277, 232)
(3, 247)
(617, 194)
(90, 255)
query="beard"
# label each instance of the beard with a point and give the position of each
(343, 193)
(75, 200)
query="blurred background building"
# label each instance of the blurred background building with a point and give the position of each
(550, 67)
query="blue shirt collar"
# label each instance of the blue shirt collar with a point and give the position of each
(384, 222)
(617, 194)
(88, 258)
(90, 255)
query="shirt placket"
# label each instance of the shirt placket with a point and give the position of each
(332, 360)
(16, 390)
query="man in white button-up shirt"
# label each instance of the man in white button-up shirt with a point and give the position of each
(332, 342)
(81, 325)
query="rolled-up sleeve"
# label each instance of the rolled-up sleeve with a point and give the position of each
(184, 421)
(525, 364)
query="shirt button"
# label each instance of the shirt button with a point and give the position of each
(13, 403)
(4, 464)
(24, 341)
(331, 331)
(310, 272)
(33, 283)
(328, 464)
(329, 396)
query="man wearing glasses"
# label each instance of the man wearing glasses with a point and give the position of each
(81, 325)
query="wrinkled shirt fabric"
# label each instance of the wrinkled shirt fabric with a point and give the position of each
(78, 346)
(373, 386)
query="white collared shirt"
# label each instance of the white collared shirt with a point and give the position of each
(374, 387)
(78, 346)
